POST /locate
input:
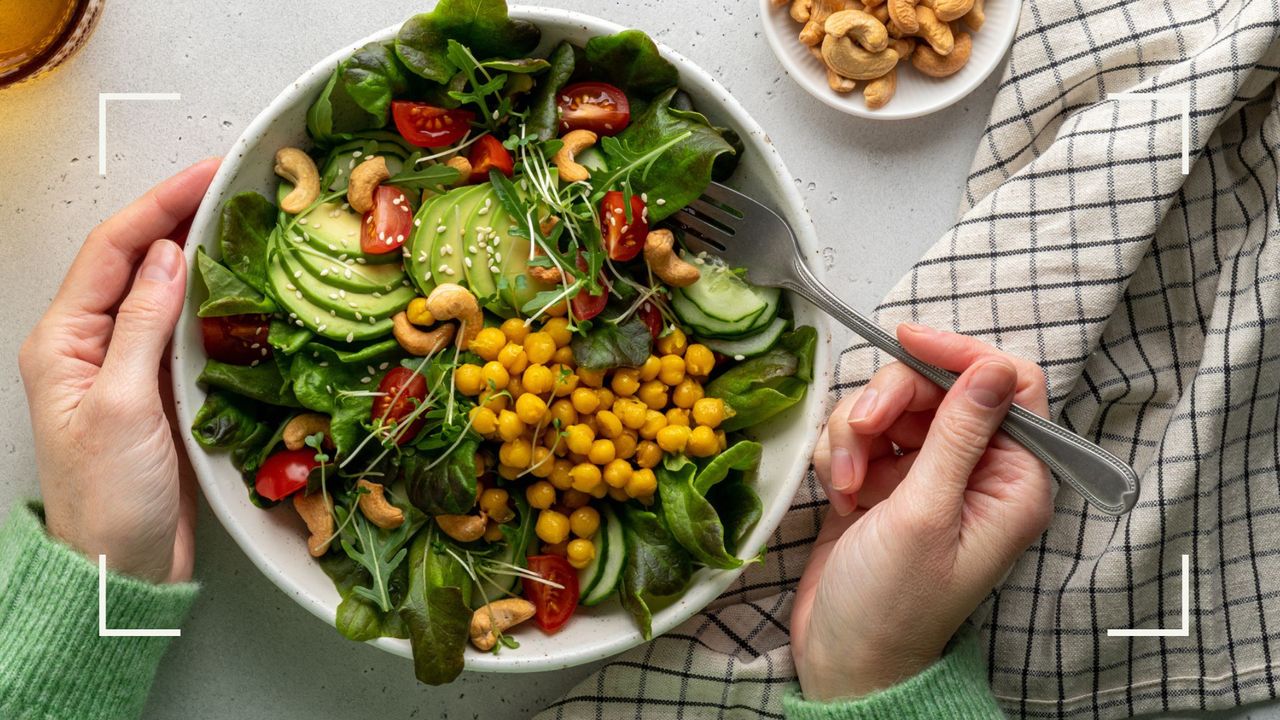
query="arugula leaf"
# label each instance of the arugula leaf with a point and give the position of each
(692, 519)
(372, 76)
(262, 382)
(442, 486)
(656, 566)
(610, 345)
(244, 232)
(228, 294)
(481, 25)
(436, 609)
(335, 114)
(544, 120)
(764, 386)
(378, 551)
(631, 60)
(357, 618)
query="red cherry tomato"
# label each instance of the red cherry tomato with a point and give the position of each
(624, 239)
(402, 392)
(388, 223)
(487, 154)
(552, 606)
(285, 473)
(585, 305)
(652, 318)
(429, 126)
(595, 106)
(236, 339)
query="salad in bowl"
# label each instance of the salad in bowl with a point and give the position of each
(463, 343)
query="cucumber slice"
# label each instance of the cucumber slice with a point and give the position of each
(721, 294)
(610, 560)
(751, 345)
(703, 325)
(590, 575)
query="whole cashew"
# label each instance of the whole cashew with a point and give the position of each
(375, 507)
(419, 342)
(365, 178)
(976, 16)
(928, 61)
(317, 513)
(801, 10)
(948, 10)
(660, 256)
(881, 13)
(934, 31)
(852, 61)
(575, 141)
(301, 427)
(868, 31)
(463, 528)
(450, 301)
(488, 621)
(463, 166)
(298, 168)
(834, 80)
(903, 15)
(879, 91)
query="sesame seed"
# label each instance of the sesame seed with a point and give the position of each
(417, 222)
(297, 274)
(302, 221)
(661, 201)
(351, 336)
(441, 228)
(467, 261)
(357, 153)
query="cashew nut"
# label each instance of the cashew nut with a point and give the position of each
(880, 91)
(301, 427)
(868, 31)
(488, 621)
(463, 166)
(931, 63)
(375, 507)
(463, 528)
(365, 178)
(948, 10)
(298, 168)
(660, 256)
(934, 31)
(575, 141)
(450, 301)
(801, 10)
(903, 15)
(317, 513)
(419, 342)
(904, 47)
(976, 16)
(812, 32)
(853, 61)
(834, 80)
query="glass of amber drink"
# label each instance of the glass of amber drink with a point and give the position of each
(38, 35)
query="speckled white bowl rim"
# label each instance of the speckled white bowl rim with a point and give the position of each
(598, 632)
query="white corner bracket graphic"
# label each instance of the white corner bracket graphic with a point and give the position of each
(102, 118)
(1182, 99)
(103, 630)
(1183, 631)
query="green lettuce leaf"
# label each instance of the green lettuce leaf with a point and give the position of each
(228, 294)
(442, 486)
(610, 345)
(335, 114)
(656, 566)
(436, 609)
(372, 76)
(483, 26)
(262, 382)
(244, 233)
(764, 386)
(544, 120)
(692, 519)
(631, 60)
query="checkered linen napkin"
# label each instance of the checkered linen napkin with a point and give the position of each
(1151, 299)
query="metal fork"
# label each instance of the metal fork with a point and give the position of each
(772, 257)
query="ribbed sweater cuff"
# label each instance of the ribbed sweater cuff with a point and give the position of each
(955, 688)
(53, 664)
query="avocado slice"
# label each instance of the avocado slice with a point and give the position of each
(315, 318)
(363, 278)
(476, 253)
(350, 305)
(512, 259)
(329, 228)
(447, 253)
(417, 261)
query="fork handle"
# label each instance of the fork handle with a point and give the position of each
(1106, 481)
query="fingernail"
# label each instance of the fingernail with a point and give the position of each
(163, 262)
(841, 469)
(917, 328)
(864, 405)
(991, 384)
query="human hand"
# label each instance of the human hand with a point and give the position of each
(105, 452)
(916, 540)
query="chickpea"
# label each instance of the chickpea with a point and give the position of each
(541, 466)
(580, 553)
(558, 329)
(650, 369)
(678, 416)
(591, 378)
(517, 453)
(609, 425)
(633, 414)
(574, 499)
(540, 347)
(653, 394)
(552, 526)
(510, 426)
(619, 494)
(560, 478)
(617, 473)
(672, 370)
(606, 397)
(487, 343)
(495, 400)
(673, 438)
(515, 330)
(565, 380)
(686, 393)
(562, 412)
(509, 472)
(600, 491)
(625, 382)
(699, 361)
(648, 454)
(494, 502)
(513, 358)
(602, 452)
(722, 439)
(578, 438)
(703, 442)
(469, 379)
(653, 422)
(563, 355)
(673, 343)
(541, 495)
(709, 411)
(496, 375)
(584, 521)
(585, 477)
(515, 387)
(483, 420)
(530, 408)
(643, 483)
(625, 444)
(584, 400)
(537, 379)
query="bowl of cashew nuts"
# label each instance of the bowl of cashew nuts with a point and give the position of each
(889, 59)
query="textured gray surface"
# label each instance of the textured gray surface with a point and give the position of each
(879, 193)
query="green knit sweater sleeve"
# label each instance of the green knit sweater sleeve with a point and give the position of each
(53, 664)
(955, 688)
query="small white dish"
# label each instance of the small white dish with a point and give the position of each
(917, 93)
(275, 540)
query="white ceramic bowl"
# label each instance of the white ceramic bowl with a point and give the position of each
(274, 540)
(917, 93)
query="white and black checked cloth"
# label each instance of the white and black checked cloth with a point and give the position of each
(1151, 300)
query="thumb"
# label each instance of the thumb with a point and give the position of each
(144, 323)
(965, 422)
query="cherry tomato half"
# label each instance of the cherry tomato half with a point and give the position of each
(487, 154)
(585, 305)
(285, 473)
(236, 339)
(595, 106)
(402, 392)
(388, 223)
(623, 239)
(430, 126)
(652, 318)
(552, 606)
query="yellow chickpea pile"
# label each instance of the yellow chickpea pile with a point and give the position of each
(576, 434)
